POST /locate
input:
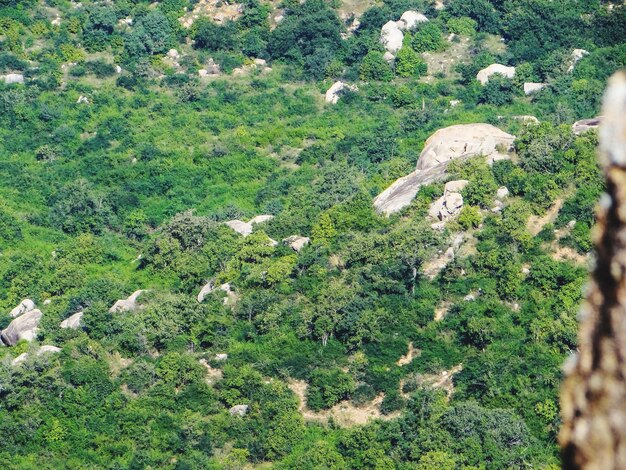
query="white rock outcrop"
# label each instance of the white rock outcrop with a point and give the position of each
(72, 322)
(127, 305)
(533, 87)
(239, 410)
(334, 92)
(575, 56)
(13, 78)
(502, 193)
(24, 327)
(173, 54)
(296, 242)
(245, 228)
(483, 75)
(456, 142)
(221, 357)
(585, 125)
(25, 306)
(410, 19)
(391, 37)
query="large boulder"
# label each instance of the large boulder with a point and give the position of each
(72, 322)
(24, 327)
(483, 75)
(335, 91)
(532, 87)
(585, 125)
(391, 37)
(127, 305)
(206, 290)
(410, 19)
(25, 306)
(458, 142)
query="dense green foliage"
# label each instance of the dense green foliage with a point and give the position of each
(115, 180)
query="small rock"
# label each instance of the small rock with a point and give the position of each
(82, 99)
(118, 69)
(502, 193)
(571, 223)
(260, 62)
(173, 54)
(388, 56)
(19, 359)
(410, 19)
(576, 55)
(585, 125)
(221, 357)
(239, 410)
(13, 78)
(454, 103)
(24, 327)
(469, 297)
(206, 290)
(47, 301)
(48, 349)
(25, 306)
(336, 90)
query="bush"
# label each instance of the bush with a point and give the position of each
(328, 387)
(374, 67)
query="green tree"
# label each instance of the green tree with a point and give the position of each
(409, 63)
(374, 67)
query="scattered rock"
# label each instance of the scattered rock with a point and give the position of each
(24, 327)
(531, 87)
(296, 242)
(483, 75)
(25, 306)
(502, 193)
(585, 125)
(13, 78)
(239, 410)
(575, 56)
(127, 305)
(336, 90)
(391, 37)
(72, 322)
(410, 19)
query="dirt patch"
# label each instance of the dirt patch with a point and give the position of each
(117, 363)
(565, 253)
(536, 224)
(344, 414)
(215, 10)
(445, 62)
(409, 356)
(213, 375)
(442, 310)
(442, 380)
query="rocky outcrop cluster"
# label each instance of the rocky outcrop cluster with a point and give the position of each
(24, 327)
(451, 143)
(245, 228)
(450, 204)
(391, 34)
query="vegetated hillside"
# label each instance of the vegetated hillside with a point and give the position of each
(329, 335)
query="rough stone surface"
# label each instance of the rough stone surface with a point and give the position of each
(391, 37)
(532, 87)
(593, 395)
(173, 54)
(447, 206)
(24, 327)
(585, 125)
(13, 78)
(296, 242)
(388, 56)
(46, 348)
(410, 19)
(127, 305)
(25, 306)
(483, 75)
(19, 359)
(455, 186)
(239, 410)
(72, 322)
(460, 140)
(334, 92)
